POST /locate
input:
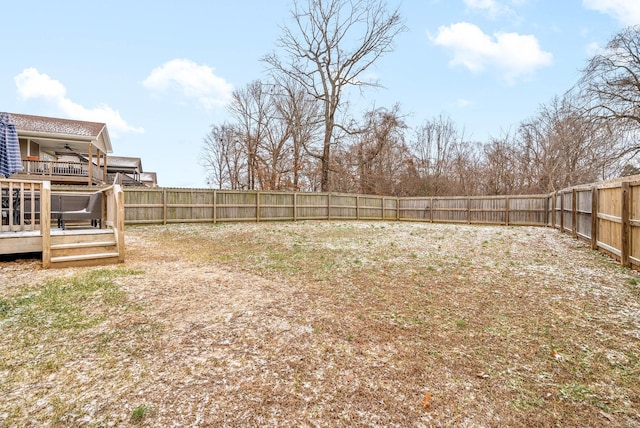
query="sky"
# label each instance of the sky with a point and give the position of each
(160, 73)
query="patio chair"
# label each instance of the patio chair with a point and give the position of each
(78, 208)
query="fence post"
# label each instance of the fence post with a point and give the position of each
(397, 208)
(506, 210)
(328, 206)
(431, 210)
(357, 207)
(384, 205)
(546, 211)
(257, 207)
(215, 209)
(164, 206)
(594, 218)
(625, 226)
(574, 213)
(554, 197)
(295, 206)
(561, 212)
(468, 210)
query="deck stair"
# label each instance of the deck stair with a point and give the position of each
(83, 249)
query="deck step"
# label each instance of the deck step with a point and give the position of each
(81, 257)
(82, 245)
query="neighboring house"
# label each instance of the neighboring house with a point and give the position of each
(149, 179)
(130, 172)
(59, 150)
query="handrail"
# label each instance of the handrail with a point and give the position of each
(50, 168)
(19, 205)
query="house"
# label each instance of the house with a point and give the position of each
(149, 179)
(59, 150)
(90, 223)
(130, 172)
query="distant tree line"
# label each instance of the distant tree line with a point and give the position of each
(293, 130)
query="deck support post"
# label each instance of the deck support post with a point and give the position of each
(45, 223)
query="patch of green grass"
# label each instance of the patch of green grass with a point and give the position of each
(61, 303)
(576, 392)
(460, 324)
(4, 307)
(139, 413)
(527, 403)
(632, 281)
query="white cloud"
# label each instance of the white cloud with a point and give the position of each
(593, 49)
(462, 102)
(627, 12)
(195, 81)
(32, 84)
(511, 54)
(492, 8)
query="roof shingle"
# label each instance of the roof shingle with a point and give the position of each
(25, 122)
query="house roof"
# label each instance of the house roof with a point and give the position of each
(53, 128)
(117, 162)
(149, 178)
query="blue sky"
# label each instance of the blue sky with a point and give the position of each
(159, 73)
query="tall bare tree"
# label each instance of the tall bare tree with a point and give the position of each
(215, 155)
(559, 147)
(433, 146)
(610, 83)
(381, 151)
(250, 108)
(328, 47)
(224, 157)
(500, 170)
(300, 113)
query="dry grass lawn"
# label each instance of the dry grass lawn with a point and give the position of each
(324, 324)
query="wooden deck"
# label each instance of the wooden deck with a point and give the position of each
(77, 245)
(61, 172)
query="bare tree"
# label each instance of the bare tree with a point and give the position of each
(433, 144)
(250, 108)
(610, 83)
(500, 170)
(224, 157)
(328, 47)
(381, 151)
(300, 113)
(464, 169)
(215, 155)
(558, 148)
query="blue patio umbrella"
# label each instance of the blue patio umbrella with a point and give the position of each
(10, 162)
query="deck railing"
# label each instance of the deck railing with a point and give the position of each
(21, 205)
(47, 168)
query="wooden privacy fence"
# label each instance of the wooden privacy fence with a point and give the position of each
(605, 214)
(162, 206)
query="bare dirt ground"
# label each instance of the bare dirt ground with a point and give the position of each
(325, 324)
